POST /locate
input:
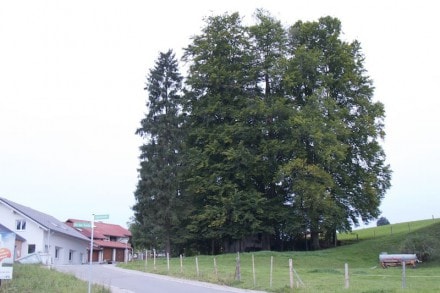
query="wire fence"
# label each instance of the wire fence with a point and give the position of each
(385, 230)
(279, 274)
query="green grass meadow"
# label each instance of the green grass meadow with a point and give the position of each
(40, 279)
(316, 271)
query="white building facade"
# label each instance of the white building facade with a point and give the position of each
(42, 237)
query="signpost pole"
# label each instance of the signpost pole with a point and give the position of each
(91, 254)
(94, 217)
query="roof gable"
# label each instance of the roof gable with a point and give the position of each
(112, 230)
(45, 220)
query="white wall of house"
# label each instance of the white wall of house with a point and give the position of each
(61, 248)
(32, 232)
(123, 239)
(65, 249)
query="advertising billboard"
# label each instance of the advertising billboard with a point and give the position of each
(7, 244)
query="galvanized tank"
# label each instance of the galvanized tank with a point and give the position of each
(397, 257)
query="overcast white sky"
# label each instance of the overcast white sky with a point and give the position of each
(72, 75)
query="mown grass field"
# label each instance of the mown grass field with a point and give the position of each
(40, 279)
(317, 271)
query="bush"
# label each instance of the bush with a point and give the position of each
(382, 222)
(425, 247)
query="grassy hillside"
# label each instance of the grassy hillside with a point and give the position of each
(387, 230)
(319, 271)
(392, 239)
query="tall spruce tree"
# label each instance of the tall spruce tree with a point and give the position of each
(159, 207)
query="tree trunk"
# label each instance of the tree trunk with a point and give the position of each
(315, 240)
(266, 239)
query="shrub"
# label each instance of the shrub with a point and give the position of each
(382, 222)
(425, 247)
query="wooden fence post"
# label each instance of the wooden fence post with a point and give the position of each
(271, 271)
(197, 266)
(291, 272)
(403, 274)
(253, 270)
(181, 264)
(237, 268)
(347, 281)
(215, 268)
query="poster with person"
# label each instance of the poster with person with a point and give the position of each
(7, 244)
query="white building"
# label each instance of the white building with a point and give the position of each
(42, 237)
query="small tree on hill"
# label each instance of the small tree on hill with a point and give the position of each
(382, 221)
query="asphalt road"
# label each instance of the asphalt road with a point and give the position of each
(129, 281)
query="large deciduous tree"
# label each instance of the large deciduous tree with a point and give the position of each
(338, 174)
(159, 201)
(281, 137)
(271, 114)
(222, 141)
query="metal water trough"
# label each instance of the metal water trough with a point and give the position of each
(392, 260)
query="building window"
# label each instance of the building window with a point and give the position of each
(31, 248)
(70, 255)
(20, 225)
(57, 252)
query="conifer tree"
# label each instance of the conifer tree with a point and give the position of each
(159, 207)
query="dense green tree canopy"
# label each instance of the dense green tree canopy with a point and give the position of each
(337, 126)
(221, 142)
(281, 136)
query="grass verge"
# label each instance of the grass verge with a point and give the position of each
(40, 279)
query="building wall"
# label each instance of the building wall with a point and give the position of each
(59, 248)
(33, 233)
(64, 249)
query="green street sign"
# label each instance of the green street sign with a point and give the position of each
(82, 225)
(101, 217)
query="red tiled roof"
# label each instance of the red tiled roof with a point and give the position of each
(111, 230)
(101, 230)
